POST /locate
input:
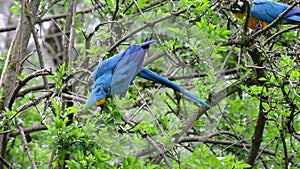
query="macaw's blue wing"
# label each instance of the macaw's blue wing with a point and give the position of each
(104, 67)
(149, 75)
(128, 66)
(268, 11)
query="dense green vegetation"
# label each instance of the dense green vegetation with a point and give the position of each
(251, 79)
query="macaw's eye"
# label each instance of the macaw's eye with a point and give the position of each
(100, 102)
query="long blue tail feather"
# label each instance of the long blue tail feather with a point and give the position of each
(149, 75)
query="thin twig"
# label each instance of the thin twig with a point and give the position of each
(30, 103)
(67, 33)
(26, 147)
(47, 7)
(81, 100)
(156, 146)
(146, 25)
(5, 162)
(28, 130)
(49, 18)
(116, 10)
(42, 72)
(51, 159)
(284, 149)
(151, 112)
(37, 45)
(65, 36)
(279, 33)
(225, 61)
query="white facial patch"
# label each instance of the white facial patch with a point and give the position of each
(240, 3)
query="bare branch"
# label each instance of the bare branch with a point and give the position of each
(49, 18)
(198, 75)
(42, 72)
(38, 48)
(159, 148)
(149, 24)
(279, 33)
(3, 161)
(32, 102)
(25, 91)
(26, 130)
(26, 147)
(67, 32)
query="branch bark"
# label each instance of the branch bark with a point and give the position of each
(159, 148)
(261, 119)
(37, 45)
(27, 147)
(143, 27)
(42, 72)
(48, 18)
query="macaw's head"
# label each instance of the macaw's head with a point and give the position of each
(97, 97)
(238, 7)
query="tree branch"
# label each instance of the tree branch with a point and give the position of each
(215, 98)
(261, 119)
(32, 102)
(25, 91)
(198, 75)
(42, 72)
(37, 45)
(26, 147)
(279, 33)
(156, 146)
(49, 18)
(146, 25)
(3, 161)
(27, 130)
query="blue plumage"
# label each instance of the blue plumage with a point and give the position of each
(114, 75)
(150, 75)
(268, 11)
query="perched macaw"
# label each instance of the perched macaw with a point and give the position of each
(264, 12)
(114, 75)
(239, 9)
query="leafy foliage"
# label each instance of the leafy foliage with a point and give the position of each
(251, 82)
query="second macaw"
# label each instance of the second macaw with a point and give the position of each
(114, 75)
(264, 12)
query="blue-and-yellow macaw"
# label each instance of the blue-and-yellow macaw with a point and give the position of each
(114, 75)
(264, 12)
